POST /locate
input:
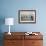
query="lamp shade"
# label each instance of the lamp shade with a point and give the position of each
(9, 21)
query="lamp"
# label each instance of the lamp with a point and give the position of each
(9, 21)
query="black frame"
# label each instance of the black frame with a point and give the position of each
(34, 16)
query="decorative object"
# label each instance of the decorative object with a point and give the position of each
(27, 16)
(30, 33)
(9, 21)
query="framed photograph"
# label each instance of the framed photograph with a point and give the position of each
(27, 16)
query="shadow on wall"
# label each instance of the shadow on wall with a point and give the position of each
(2, 21)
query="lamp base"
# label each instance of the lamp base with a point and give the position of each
(9, 33)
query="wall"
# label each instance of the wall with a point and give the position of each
(9, 8)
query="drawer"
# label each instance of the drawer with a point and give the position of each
(13, 43)
(16, 37)
(9, 43)
(33, 43)
(37, 43)
(33, 37)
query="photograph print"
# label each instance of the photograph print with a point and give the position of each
(27, 16)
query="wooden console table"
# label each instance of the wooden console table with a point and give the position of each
(20, 39)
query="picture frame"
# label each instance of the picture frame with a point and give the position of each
(27, 16)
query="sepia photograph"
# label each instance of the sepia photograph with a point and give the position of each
(27, 16)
